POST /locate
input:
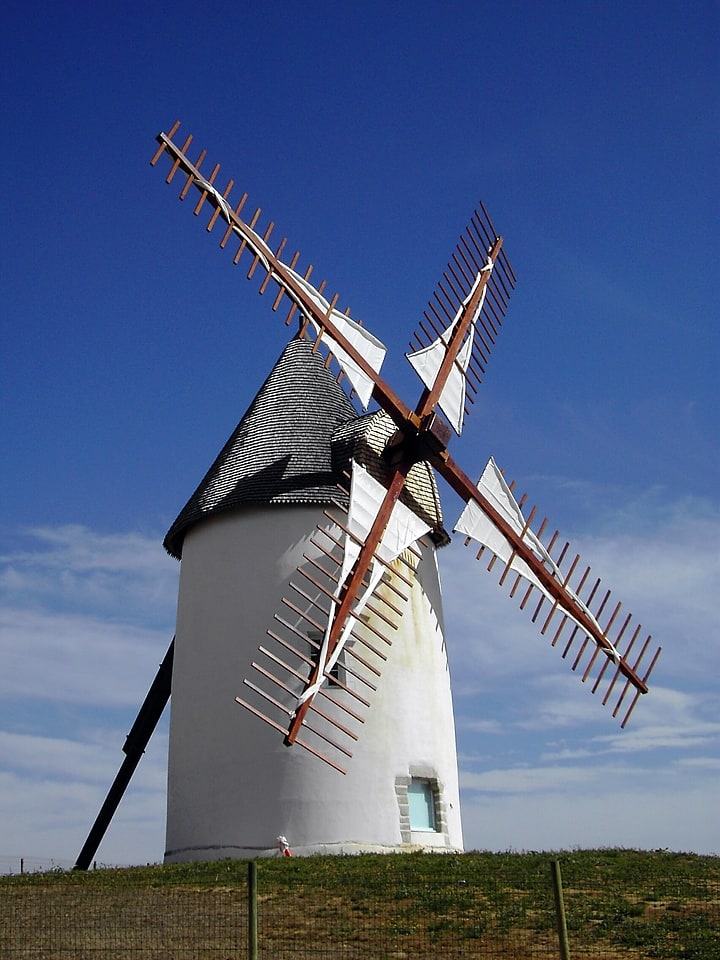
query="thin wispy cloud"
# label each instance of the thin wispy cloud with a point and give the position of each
(85, 619)
(71, 567)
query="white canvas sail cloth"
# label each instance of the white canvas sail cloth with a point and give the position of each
(403, 529)
(426, 362)
(367, 345)
(475, 523)
(371, 349)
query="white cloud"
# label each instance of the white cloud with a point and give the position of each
(68, 657)
(125, 576)
(675, 817)
(588, 802)
(47, 818)
(52, 788)
(84, 618)
(92, 761)
(84, 621)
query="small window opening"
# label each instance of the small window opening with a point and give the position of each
(337, 671)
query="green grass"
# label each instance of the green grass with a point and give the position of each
(619, 904)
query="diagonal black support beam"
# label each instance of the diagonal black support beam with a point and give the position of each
(135, 744)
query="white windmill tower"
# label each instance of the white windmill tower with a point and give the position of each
(308, 567)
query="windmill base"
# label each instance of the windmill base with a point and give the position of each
(433, 844)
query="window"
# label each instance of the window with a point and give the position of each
(423, 819)
(421, 803)
(338, 674)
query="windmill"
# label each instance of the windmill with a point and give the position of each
(309, 569)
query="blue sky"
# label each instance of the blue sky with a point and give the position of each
(132, 346)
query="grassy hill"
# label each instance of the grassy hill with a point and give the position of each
(619, 904)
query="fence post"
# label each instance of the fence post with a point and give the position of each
(560, 910)
(252, 911)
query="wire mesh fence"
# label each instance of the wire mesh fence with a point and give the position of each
(455, 907)
(78, 924)
(396, 912)
(32, 864)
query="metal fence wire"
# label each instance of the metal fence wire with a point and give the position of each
(415, 907)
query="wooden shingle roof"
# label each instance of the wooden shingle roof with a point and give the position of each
(280, 452)
(294, 445)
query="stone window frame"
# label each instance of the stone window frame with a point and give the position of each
(440, 809)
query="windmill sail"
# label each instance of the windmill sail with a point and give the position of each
(342, 666)
(554, 597)
(359, 354)
(462, 320)
(427, 361)
(402, 530)
(368, 346)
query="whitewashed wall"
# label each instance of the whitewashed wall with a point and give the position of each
(233, 786)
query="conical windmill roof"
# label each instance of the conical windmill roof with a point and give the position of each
(280, 452)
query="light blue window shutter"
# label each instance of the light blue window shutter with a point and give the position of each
(421, 804)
